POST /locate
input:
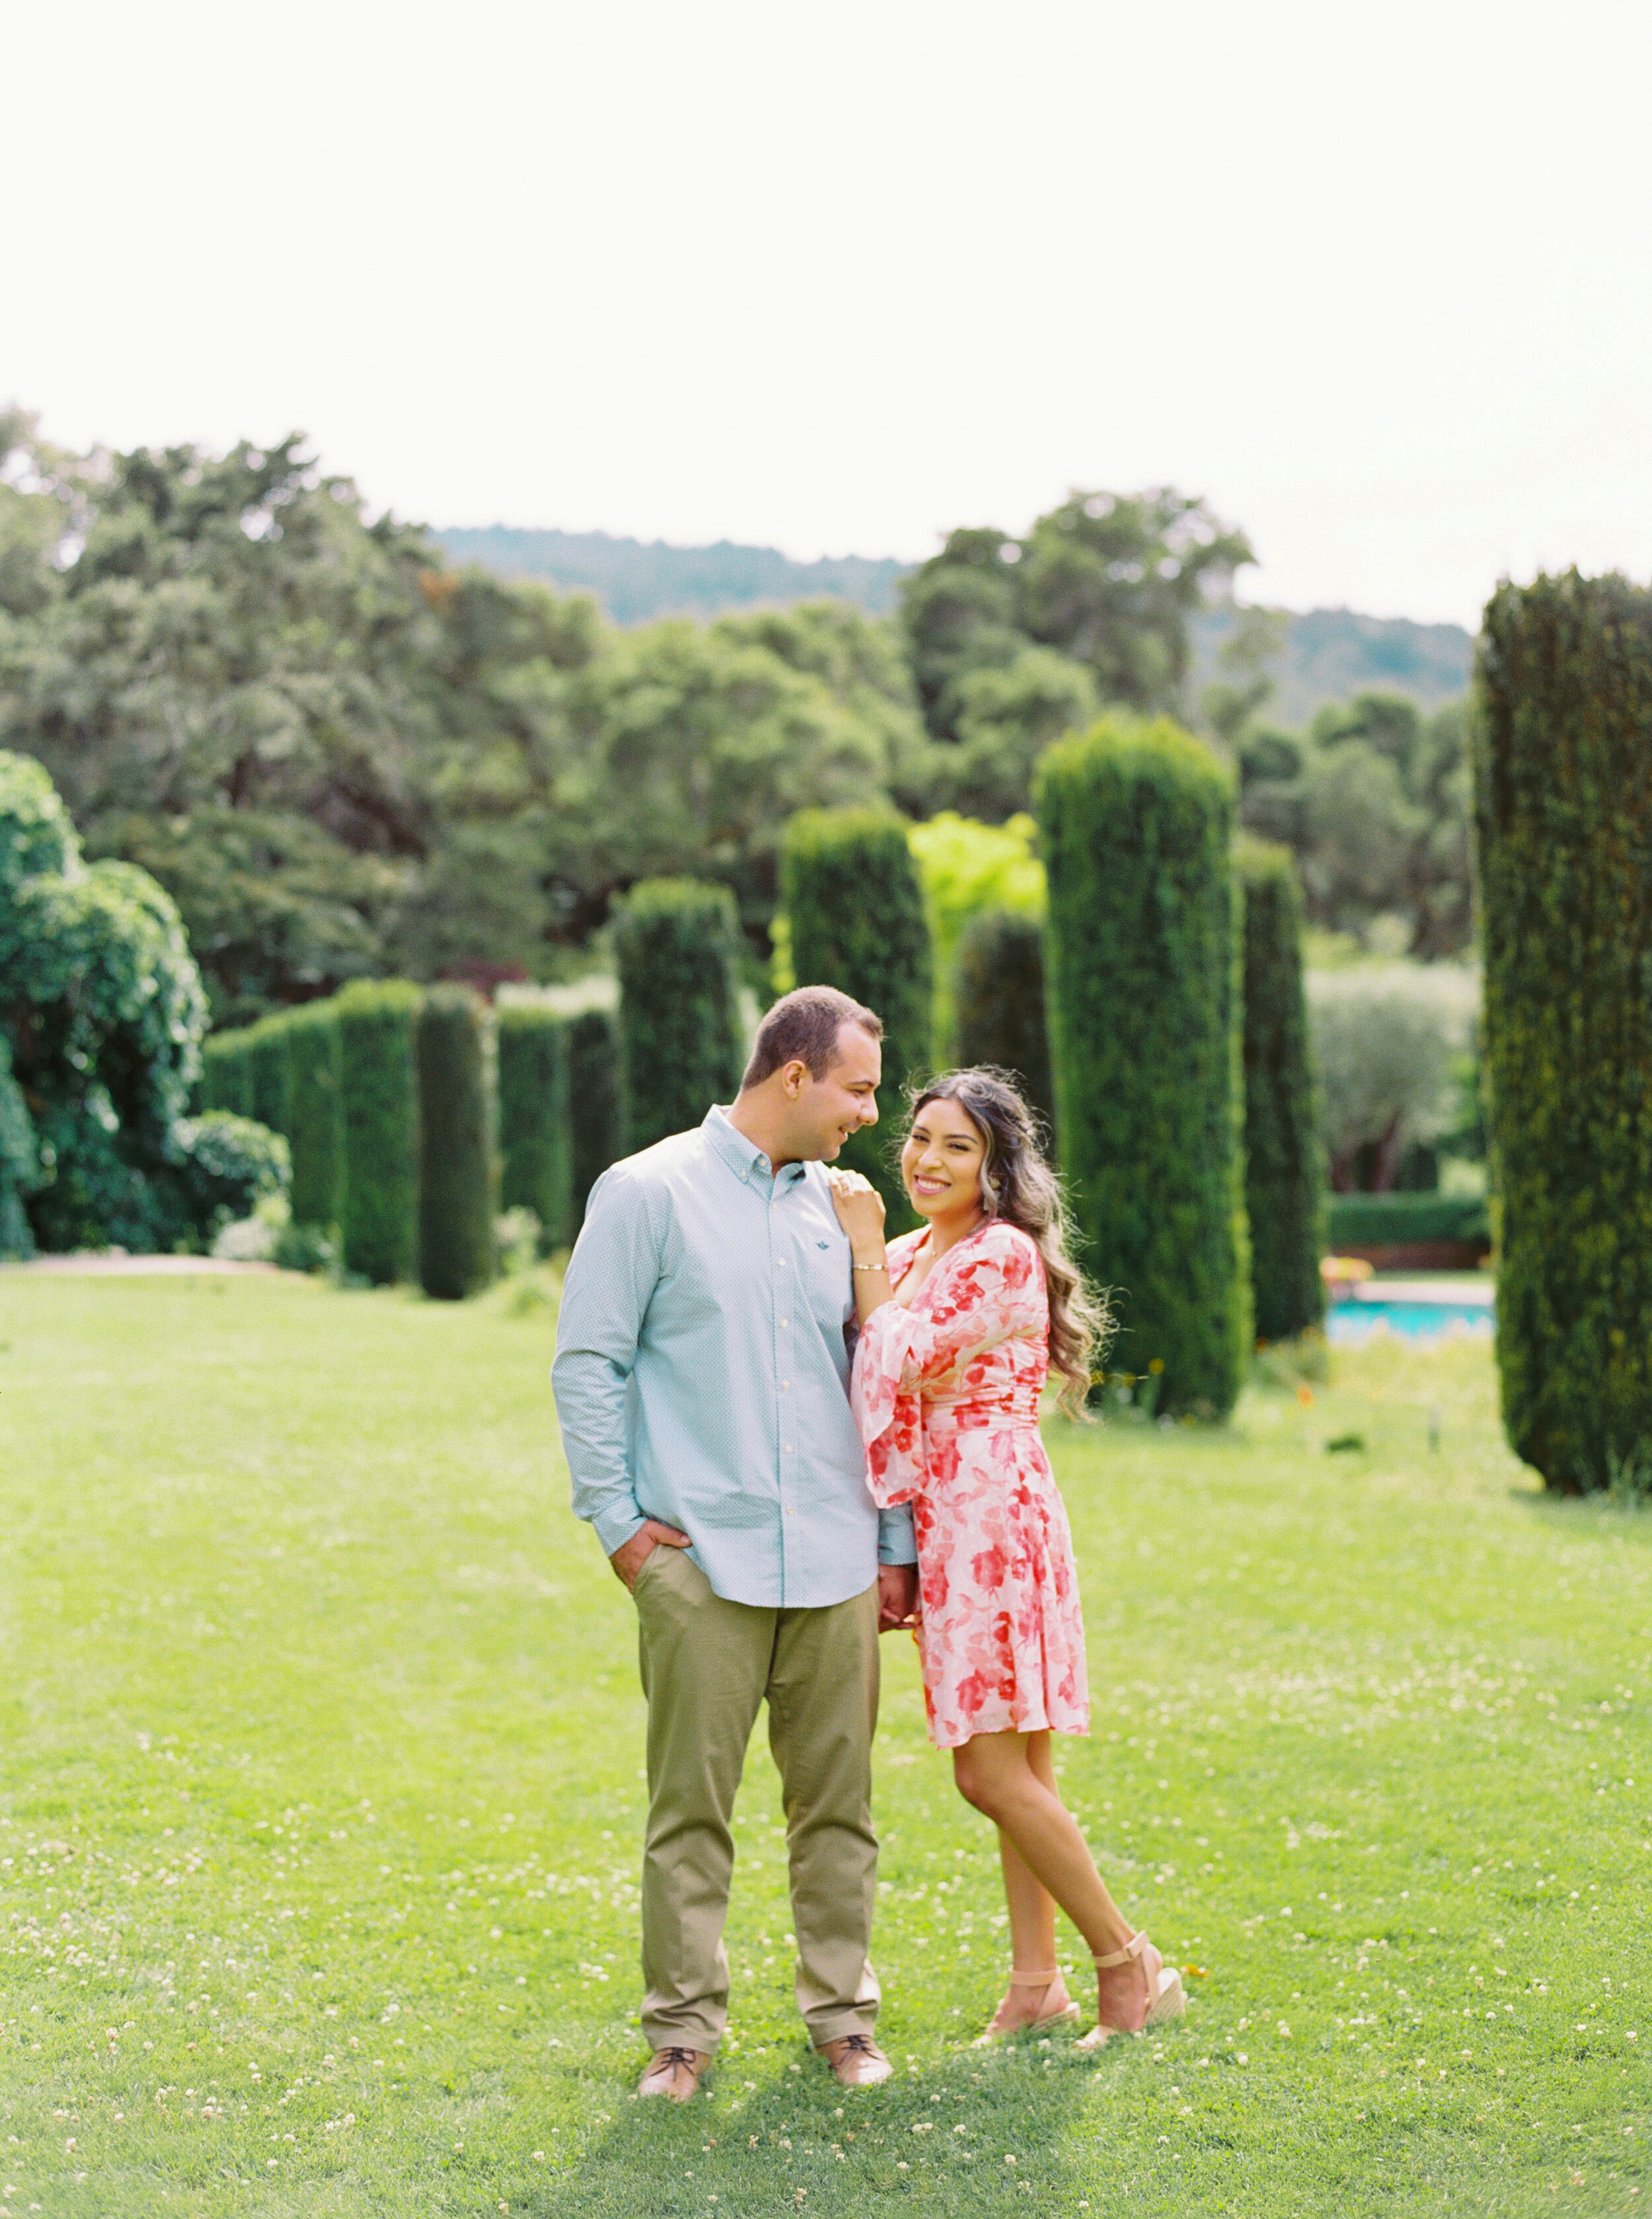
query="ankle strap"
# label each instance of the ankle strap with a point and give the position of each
(1035, 1979)
(1132, 1947)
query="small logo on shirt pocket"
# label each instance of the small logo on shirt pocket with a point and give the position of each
(823, 1244)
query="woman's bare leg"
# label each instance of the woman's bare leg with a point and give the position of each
(997, 1773)
(1032, 1920)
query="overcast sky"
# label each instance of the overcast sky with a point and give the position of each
(1377, 281)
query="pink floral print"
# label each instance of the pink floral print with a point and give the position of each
(946, 1396)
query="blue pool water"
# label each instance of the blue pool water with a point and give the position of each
(1349, 1324)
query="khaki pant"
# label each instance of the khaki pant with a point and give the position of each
(707, 1665)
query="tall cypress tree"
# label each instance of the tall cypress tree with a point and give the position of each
(536, 1135)
(851, 892)
(1285, 1161)
(1563, 819)
(312, 1097)
(594, 1116)
(378, 1023)
(677, 941)
(1144, 1004)
(998, 1004)
(458, 1189)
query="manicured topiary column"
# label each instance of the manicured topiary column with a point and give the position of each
(535, 1137)
(1284, 1162)
(378, 1090)
(458, 1179)
(676, 940)
(593, 1103)
(1143, 987)
(1563, 818)
(227, 1072)
(313, 1108)
(998, 1003)
(271, 1073)
(852, 894)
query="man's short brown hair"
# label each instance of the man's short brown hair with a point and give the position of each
(802, 1028)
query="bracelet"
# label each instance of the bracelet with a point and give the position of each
(869, 1267)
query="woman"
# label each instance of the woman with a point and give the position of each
(957, 1327)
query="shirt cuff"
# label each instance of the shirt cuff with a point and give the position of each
(613, 1528)
(897, 1542)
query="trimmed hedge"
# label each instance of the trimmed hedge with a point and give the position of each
(676, 943)
(1383, 1221)
(1563, 819)
(593, 1106)
(1284, 1163)
(850, 889)
(226, 1073)
(998, 1003)
(458, 1185)
(313, 1130)
(1144, 1007)
(378, 1092)
(269, 1074)
(534, 1135)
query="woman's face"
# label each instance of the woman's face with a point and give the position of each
(941, 1161)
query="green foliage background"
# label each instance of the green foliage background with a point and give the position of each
(675, 943)
(856, 912)
(458, 1195)
(378, 1094)
(1284, 1166)
(1143, 989)
(1563, 809)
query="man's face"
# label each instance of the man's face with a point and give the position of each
(831, 1108)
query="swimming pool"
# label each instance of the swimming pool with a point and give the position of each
(1415, 1310)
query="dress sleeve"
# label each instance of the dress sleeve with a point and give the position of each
(987, 1296)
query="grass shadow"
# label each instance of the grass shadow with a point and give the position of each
(967, 2132)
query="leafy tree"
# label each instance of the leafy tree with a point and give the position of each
(1373, 800)
(1015, 641)
(1005, 715)
(1387, 1039)
(103, 1008)
(20, 1163)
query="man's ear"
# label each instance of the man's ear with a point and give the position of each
(792, 1076)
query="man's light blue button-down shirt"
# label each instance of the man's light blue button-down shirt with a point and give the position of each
(702, 1372)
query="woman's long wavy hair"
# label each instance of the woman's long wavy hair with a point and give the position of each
(1018, 1185)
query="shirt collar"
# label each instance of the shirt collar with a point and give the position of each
(744, 1158)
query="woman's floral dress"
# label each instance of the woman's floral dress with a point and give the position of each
(946, 1396)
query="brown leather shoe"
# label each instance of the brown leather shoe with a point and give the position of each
(674, 2073)
(856, 2061)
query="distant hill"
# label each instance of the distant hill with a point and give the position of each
(1330, 654)
(635, 579)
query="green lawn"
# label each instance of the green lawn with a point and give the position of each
(321, 1797)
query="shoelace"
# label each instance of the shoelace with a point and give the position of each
(676, 2057)
(860, 2043)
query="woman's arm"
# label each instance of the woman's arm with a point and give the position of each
(860, 1210)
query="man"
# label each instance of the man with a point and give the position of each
(702, 1386)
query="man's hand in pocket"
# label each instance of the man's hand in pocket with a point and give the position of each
(629, 1560)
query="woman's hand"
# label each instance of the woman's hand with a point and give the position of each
(860, 1210)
